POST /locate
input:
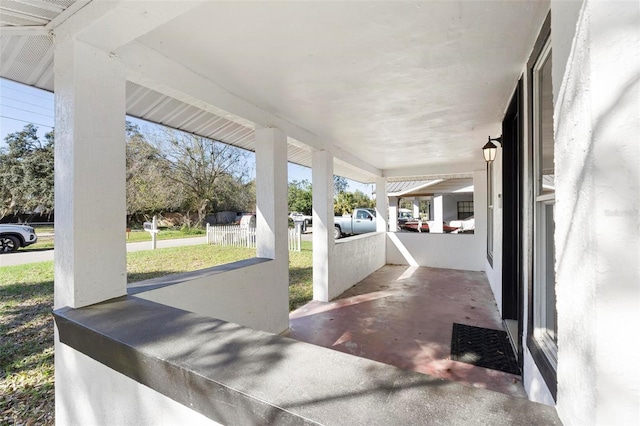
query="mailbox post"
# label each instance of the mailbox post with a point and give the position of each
(152, 228)
(301, 225)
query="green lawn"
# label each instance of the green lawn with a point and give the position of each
(45, 241)
(26, 325)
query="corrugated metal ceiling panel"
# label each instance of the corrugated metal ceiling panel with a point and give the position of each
(28, 59)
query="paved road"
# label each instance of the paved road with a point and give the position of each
(23, 257)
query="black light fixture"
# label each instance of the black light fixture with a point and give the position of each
(489, 150)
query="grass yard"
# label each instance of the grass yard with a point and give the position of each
(45, 236)
(26, 324)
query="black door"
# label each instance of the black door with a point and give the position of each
(512, 176)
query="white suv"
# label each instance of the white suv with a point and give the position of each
(12, 237)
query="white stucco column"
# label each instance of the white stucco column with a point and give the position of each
(393, 214)
(382, 209)
(271, 195)
(90, 200)
(438, 215)
(271, 223)
(416, 207)
(323, 241)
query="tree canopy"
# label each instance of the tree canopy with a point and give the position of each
(26, 173)
(212, 176)
(301, 195)
(166, 170)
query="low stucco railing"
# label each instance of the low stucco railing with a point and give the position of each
(234, 375)
(355, 258)
(236, 292)
(460, 251)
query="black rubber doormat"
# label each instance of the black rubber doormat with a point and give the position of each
(483, 347)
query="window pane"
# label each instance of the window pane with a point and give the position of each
(545, 93)
(550, 276)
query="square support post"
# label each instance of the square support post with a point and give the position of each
(323, 240)
(271, 220)
(393, 214)
(271, 195)
(416, 207)
(90, 199)
(382, 209)
(438, 214)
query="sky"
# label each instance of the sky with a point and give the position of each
(20, 105)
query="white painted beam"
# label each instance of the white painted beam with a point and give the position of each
(108, 25)
(430, 170)
(148, 68)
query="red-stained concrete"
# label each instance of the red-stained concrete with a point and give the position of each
(403, 316)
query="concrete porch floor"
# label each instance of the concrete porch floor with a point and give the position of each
(403, 316)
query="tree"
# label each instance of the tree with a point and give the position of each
(199, 167)
(26, 172)
(340, 184)
(149, 189)
(346, 202)
(300, 197)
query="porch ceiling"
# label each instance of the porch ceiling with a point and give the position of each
(399, 86)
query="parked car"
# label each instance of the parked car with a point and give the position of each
(12, 237)
(404, 215)
(360, 222)
(413, 225)
(295, 216)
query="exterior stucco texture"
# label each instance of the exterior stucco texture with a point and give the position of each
(236, 375)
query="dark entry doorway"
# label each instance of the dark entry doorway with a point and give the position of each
(512, 207)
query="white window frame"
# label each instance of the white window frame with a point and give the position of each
(547, 341)
(490, 211)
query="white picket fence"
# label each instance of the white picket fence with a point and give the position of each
(237, 236)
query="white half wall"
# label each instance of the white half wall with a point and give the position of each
(355, 258)
(462, 251)
(94, 394)
(249, 296)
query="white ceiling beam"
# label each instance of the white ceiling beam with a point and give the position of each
(108, 25)
(155, 71)
(433, 170)
(350, 160)
(149, 68)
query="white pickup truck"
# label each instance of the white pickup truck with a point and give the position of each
(360, 222)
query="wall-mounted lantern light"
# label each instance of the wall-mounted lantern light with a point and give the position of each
(489, 150)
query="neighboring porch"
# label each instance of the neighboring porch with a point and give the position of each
(403, 316)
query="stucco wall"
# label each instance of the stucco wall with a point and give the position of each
(94, 394)
(463, 251)
(597, 128)
(354, 259)
(253, 296)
